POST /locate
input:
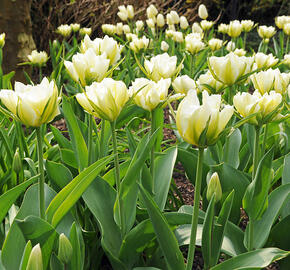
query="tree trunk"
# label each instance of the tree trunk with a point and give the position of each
(15, 22)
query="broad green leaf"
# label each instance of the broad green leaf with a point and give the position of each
(37, 230)
(165, 236)
(58, 173)
(128, 113)
(164, 166)
(8, 198)
(232, 148)
(110, 175)
(255, 200)
(207, 230)
(280, 234)
(78, 141)
(146, 268)
(62, 141)
(158, 118)
(256, 259)
(262, 227)
(100, 198)
(129, 186)
(68, 157)
(6, 141)
(25, 256)
(70, 194)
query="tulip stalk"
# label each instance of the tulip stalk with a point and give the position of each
(256, 151)
(117, 174)
(153, 128)
(264, 139)
(41, 174)
(194, 221)
(90, 139)
(103, 123)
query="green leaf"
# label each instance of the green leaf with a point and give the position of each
(62, 141)
(232, 148)
(262, 227)
(164, 166)
(68, 157)
(37, 230)
(8, 198)
(100, 198)
(165, 236)
(220, 229)
(70, 194)
(110, 175)
(256, 259)
(78, 141)
(77, 259)
(255, 200)
(58, 173)
(25, 256)
(280, 234)
(129, 186)
(206, 242)
(286, 180)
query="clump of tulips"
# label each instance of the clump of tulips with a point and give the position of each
(105, 191)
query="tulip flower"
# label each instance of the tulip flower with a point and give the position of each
(230, 68)
(183, 84)
(64, 30)
(150, 23)
(206, 25)
(265, 61)
(192, 119)
(85, 31)
(231, 46)
(109, 29)
(266, 32)
(138, 44)
(2, 40)
(281, 20)
(175, 17)
(160, 20)
(223, 28)
(164, 46)
(148, 94)
(151, 12)
(105, 99)
(215, 44)
(202, 12)
(161, 66)
(209, 83)
(197, 29)
(139, 25)
(177, 36)
(126, 29)
(247, 25)
(234, 29)
(33, 105)
(87, 67)
(263, 81)
(38, 58)
(281, 81)
(183, 23)
(126, 12)
(192, 44)
(264, 105)
(286, 59)
(35, 259)
(75, 27)
(239, 52)
(286, 29)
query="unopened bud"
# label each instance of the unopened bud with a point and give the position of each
(16, 164)
(35, 259)
(214, 187)
(2, 40)
(65, 249)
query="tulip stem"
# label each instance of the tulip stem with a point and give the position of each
(287, 43)
(251, 235)
(117, 175)
(41, 174)
(102, 138)
(245, 39)
(256, 151)
(40, 74)
(264, 140)
(153, 127)
(194, 221)
(90, 139)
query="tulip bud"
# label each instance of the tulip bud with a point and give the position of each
(65, 249)
(150, 23)
(64, 30)
(75, 27)
(119, 29)
(164, 46)
(85, 31)
(123, 13)
(35, 259)
(286, 29)
(126, 29)
(160, 20)
(2, 40)
(202, 12)
(17, 163)
(151, 12)
(177, 36)
(231, 46)
(109, 29)
(266, 32)
(214, 188)
(175, 17)
(247, 25)
(169, 19)
(183, 22)
(197, 29)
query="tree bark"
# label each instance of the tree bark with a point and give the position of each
(15, 22)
